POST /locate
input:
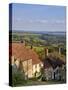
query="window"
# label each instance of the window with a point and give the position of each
(35, 66)
(15, 59)
(39, 65)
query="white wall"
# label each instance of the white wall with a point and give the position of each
(37, 67)
(30, 68)
(17, 62)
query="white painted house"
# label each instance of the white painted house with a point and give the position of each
(26, 59)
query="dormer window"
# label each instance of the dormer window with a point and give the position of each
(14, 59)
(39, 65)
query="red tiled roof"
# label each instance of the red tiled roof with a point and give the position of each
(18, 50)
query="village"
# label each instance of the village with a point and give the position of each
(27, 61)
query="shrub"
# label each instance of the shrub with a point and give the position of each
(18, 78)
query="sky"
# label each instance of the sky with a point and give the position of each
(28, 17)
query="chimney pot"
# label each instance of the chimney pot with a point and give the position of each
(23, 42)
(46, 51)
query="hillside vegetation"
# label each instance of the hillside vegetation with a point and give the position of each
(40, 41)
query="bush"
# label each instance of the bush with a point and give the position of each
(18, 78)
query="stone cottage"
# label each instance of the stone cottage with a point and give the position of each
(54, 68)
(25, 58)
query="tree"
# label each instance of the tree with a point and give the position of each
(18, 78)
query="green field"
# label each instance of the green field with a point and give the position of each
(41, 41)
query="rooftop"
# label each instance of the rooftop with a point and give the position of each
(53, 62)
(19, 50)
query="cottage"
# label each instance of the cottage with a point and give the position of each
(25, 58)
(48, 70)
(53, 68)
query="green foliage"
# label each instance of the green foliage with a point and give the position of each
(39, 39)
(18, 77)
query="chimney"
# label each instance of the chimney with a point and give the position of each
(23, 42)
(31, 47)
(59, 50)
(46, 51)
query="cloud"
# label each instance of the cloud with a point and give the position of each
(39, 24)
(38, 21)
(43, 21)
(60, 21)
(18, 19)
(47, 21)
